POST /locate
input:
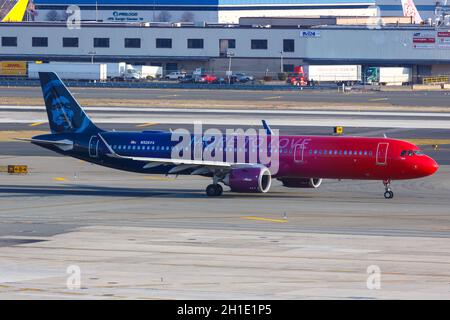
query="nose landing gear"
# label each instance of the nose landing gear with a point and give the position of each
(388, 194)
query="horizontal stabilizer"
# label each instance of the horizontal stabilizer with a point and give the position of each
(64, 145)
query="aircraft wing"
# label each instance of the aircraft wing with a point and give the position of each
(201, 166)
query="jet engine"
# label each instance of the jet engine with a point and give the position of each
(249, 180)
(301, 182)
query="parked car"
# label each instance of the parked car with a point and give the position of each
(242, 77)
(189, 78)
(176, 75)
(207, 78)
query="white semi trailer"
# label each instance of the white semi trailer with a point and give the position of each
(149, 72)
(348, 74)
(70, 70)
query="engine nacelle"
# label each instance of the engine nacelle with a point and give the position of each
(249, 180)
(301, 182)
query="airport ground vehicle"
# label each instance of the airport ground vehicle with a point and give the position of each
(207, 78)
(303, 161)
(121, 72)
(70, 70)
(386, 76)
(176, 75)
(149, 72)
(242, 78)
(189, 78)
(320, 74)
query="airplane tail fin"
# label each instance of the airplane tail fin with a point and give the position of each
(65, 115)
(410, 10)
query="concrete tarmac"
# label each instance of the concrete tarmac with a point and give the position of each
(387, 98)
(155, 237)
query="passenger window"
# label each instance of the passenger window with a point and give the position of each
(410, 153)
(403, 153)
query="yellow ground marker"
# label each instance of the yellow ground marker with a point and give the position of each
(422, 142)
(168, 96)
(265, 219)
(9, 136)
(59, 179)
(378, 99)
(147, 124)
(159, 178)
(272, 98)
(36, 124)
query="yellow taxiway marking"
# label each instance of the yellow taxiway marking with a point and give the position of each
(9, 136)
(159, 178)
(272, 98)
(421, 142)
(168, 96)
(147, 124)
(36, 124)
(59, 179)
(265, 219)
(378, 99)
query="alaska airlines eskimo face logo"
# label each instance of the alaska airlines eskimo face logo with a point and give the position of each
(62, 114)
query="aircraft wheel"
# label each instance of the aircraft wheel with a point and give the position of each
(388, 194)
(214, 190)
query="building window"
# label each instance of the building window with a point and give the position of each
(9, 41)
(225, 45)
(288, 45)
(164, 43)
(132, 42)
(39, 42)
(195, 44)
(259, 44)
(70, 42)
(101, 42)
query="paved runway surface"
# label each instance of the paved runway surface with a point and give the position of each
(405, 98)
(153, 237)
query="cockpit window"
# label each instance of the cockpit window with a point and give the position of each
(410, 153)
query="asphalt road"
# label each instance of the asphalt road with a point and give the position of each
(404, 98)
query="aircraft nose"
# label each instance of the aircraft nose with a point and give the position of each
(430, 167)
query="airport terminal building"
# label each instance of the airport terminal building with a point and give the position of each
(256, 50)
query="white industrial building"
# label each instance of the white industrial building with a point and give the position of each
(254, 50)
(212, 11)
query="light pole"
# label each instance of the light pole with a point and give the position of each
(281, 62)
(230, 54)
(92, 54)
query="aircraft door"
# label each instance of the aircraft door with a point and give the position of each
(93, 147)
(299, 152)
(382, 151)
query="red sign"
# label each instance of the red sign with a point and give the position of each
(424, 40)
(444, 34)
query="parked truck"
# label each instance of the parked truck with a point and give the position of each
(149, 72)
(318, 74)
(121, 71)
(389, 76)
(70, 70)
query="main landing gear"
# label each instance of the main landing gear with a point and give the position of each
(388, 194)
(214, 190)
